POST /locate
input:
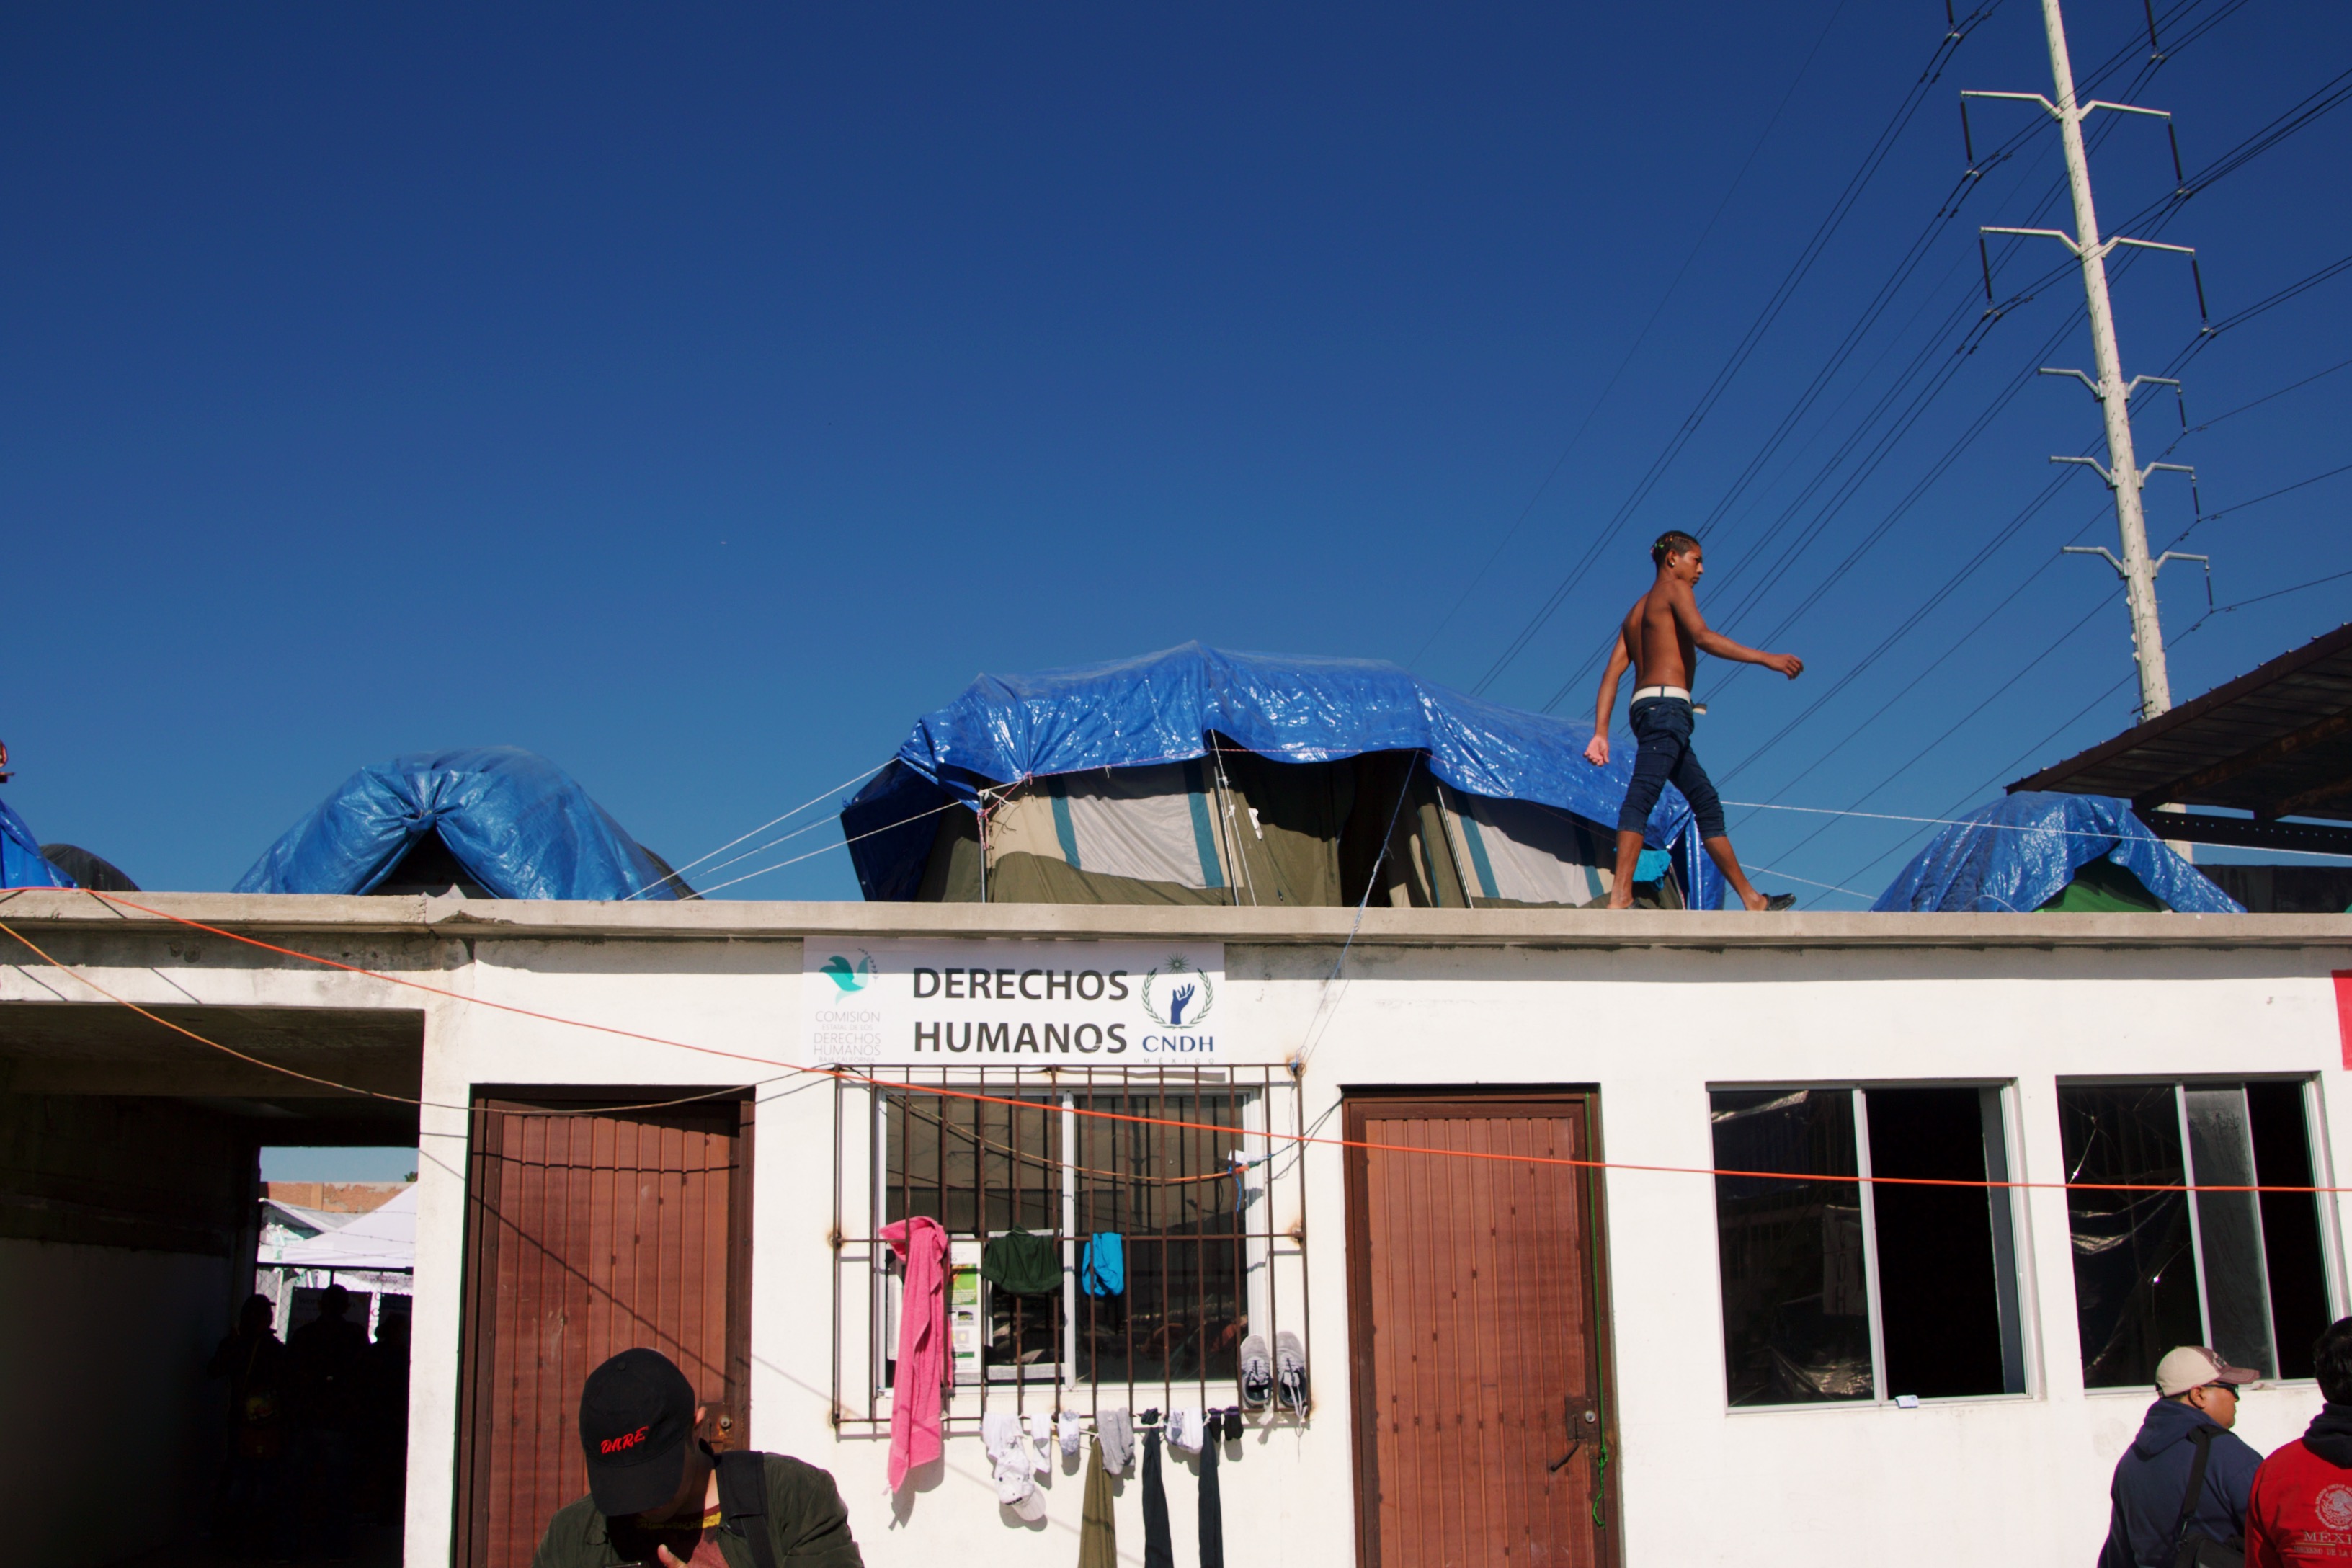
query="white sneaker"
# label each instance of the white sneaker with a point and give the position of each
(1258, 1373)
(1290, 1370)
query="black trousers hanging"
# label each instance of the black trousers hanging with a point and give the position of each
(1158, 1550)
(1212, 1506)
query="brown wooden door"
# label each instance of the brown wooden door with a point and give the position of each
(1476, 1350)
(589, 1232)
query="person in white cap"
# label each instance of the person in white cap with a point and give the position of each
(2186, 1476)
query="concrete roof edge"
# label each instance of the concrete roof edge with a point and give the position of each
(266, 915)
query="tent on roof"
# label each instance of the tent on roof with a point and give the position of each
(1200, 776)
(492, 821)
(382, 1238)
(84, 870)
(2039, 850)
(22, 864)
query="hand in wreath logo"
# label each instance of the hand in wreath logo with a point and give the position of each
(1176, 983)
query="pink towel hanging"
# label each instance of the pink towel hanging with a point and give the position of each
(922, 1345)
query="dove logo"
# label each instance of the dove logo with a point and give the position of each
(850, 977)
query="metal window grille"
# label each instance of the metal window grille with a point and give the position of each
(1187, 1166)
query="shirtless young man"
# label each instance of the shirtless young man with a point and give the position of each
(1658, 639)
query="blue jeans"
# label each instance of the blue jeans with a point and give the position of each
(1661, 726)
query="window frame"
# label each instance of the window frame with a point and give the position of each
(1269, 1293)
(2012, 1251)
(2331, 1258)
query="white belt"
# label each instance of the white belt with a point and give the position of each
(1672, 693)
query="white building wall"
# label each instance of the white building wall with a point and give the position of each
(2022, 1478)
(1694, 1482)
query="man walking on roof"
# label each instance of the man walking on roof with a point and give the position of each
(1662, 638)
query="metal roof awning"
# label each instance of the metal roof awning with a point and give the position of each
(2276, 742)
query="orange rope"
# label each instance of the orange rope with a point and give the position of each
(946, 1092)
(313, 1077)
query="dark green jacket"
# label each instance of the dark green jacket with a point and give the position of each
(804, 1518)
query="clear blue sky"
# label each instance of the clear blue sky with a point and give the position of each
(698, 396)
(305, 1163)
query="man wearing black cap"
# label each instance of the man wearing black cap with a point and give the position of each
(657, 1497)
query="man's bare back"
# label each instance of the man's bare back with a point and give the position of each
(1655, 634)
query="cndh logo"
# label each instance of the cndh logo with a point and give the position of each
(851, 977)
(1171, 992)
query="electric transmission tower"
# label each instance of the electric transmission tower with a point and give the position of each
(2122, 472)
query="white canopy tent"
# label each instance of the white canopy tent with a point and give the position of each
(384, 1238)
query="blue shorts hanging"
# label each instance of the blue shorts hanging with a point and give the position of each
(1102, 1271)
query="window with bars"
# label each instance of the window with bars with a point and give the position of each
(1177, 1163)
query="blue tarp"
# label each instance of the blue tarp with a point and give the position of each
(516, 822)
(21, 865)
(1160, 707)
(2021, 851)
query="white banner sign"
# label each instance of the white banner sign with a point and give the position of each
(887, 1002)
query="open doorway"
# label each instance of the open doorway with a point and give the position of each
(129, 1252)
(336, 1264)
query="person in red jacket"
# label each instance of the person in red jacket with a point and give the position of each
(2300, 1515)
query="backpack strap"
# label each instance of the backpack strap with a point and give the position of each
(743, 1501)
(2203, 1438)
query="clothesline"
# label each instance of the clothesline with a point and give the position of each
(1299, 1140)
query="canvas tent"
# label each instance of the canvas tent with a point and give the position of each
(84, 870)
(492, 821)
(382, 1238)
(2037, 850)
(1200, 776)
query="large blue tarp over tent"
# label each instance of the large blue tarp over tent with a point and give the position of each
(1160, 707)
(2021, 851)
(516, 822)
(21, 862)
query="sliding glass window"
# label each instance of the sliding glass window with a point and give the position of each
(1841, 1282)
(2241, 1271)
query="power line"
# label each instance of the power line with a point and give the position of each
(2303, 114)
(1950, 586)
(2063, 726)
(2284, 489)
(2260, 598)
(2049, 490)
(2010, 766)
(1602, 400)
(1889, 439)
(1958, 725)
(1840, 357)
(1921, 246)
(2268, 397)
(2269, 136)
(1905, 111)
